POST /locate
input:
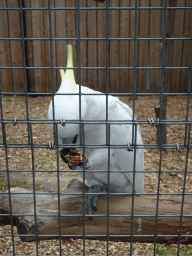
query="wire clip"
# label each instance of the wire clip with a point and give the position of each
(62, 121)
(15, 121)
(129, 147)
(177, 148)
(51, 145)
(152, 122)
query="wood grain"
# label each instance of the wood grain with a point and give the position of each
(124, 47)
(93, 52)
(142, 45)
(16, 47)
(177, 47)
(101, 46)
(92, 45)
(5, 51)
(114, 47)
(23, 203)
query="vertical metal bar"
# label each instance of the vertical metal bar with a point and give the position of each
(83, 133)
(118, 58)
(97, 47)
(107, 114)
(188, 100)
(148, 51)
(135, 68)
(133, 189)
(54, 123)
(161, 19)
(171, 52)
(76, 19)
(66, 27)
(7, 169)
(184, 185)
(160, 130)
(32, 47)
(51, 62)
(8, 23)
(163, 61)
(107, 59)
(160, 47)
(158, 189)
(108, 182)
(1, 110)
(59, 195)
(82, 130)
(24, 64)
(34, 191)
(79, 62)
(86, 71)
(133, 118)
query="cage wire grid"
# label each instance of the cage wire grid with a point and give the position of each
(30, 122)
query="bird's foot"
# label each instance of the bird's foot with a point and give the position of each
(87, 165)
(92, 199)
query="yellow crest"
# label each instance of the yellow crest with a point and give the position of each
(69, 74)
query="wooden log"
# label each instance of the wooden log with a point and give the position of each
(47, 204)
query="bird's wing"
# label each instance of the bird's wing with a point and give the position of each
(128, 110)
(125, 159)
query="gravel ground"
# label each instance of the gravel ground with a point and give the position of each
(44, 159)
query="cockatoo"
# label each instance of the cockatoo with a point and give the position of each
(115, 165)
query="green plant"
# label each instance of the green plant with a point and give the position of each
(6, 98)
(14, 141)
(162, 249)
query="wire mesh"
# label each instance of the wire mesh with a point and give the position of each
(21, 8)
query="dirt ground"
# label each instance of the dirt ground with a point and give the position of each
(45, 159)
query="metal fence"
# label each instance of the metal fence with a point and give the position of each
(121, 34)
(29, 141)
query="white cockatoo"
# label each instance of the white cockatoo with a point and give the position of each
(115, 165)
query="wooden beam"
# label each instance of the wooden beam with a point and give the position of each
(47, 204)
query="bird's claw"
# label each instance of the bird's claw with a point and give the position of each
(86, 165)
(72, 167)
(92, 199)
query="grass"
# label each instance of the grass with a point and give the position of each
(167, 250)
(14, 141)
(17, 183)
(6, 98)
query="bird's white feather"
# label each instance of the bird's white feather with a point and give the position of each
(93, 107)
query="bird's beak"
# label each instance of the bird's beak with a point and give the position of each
(70, 140)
